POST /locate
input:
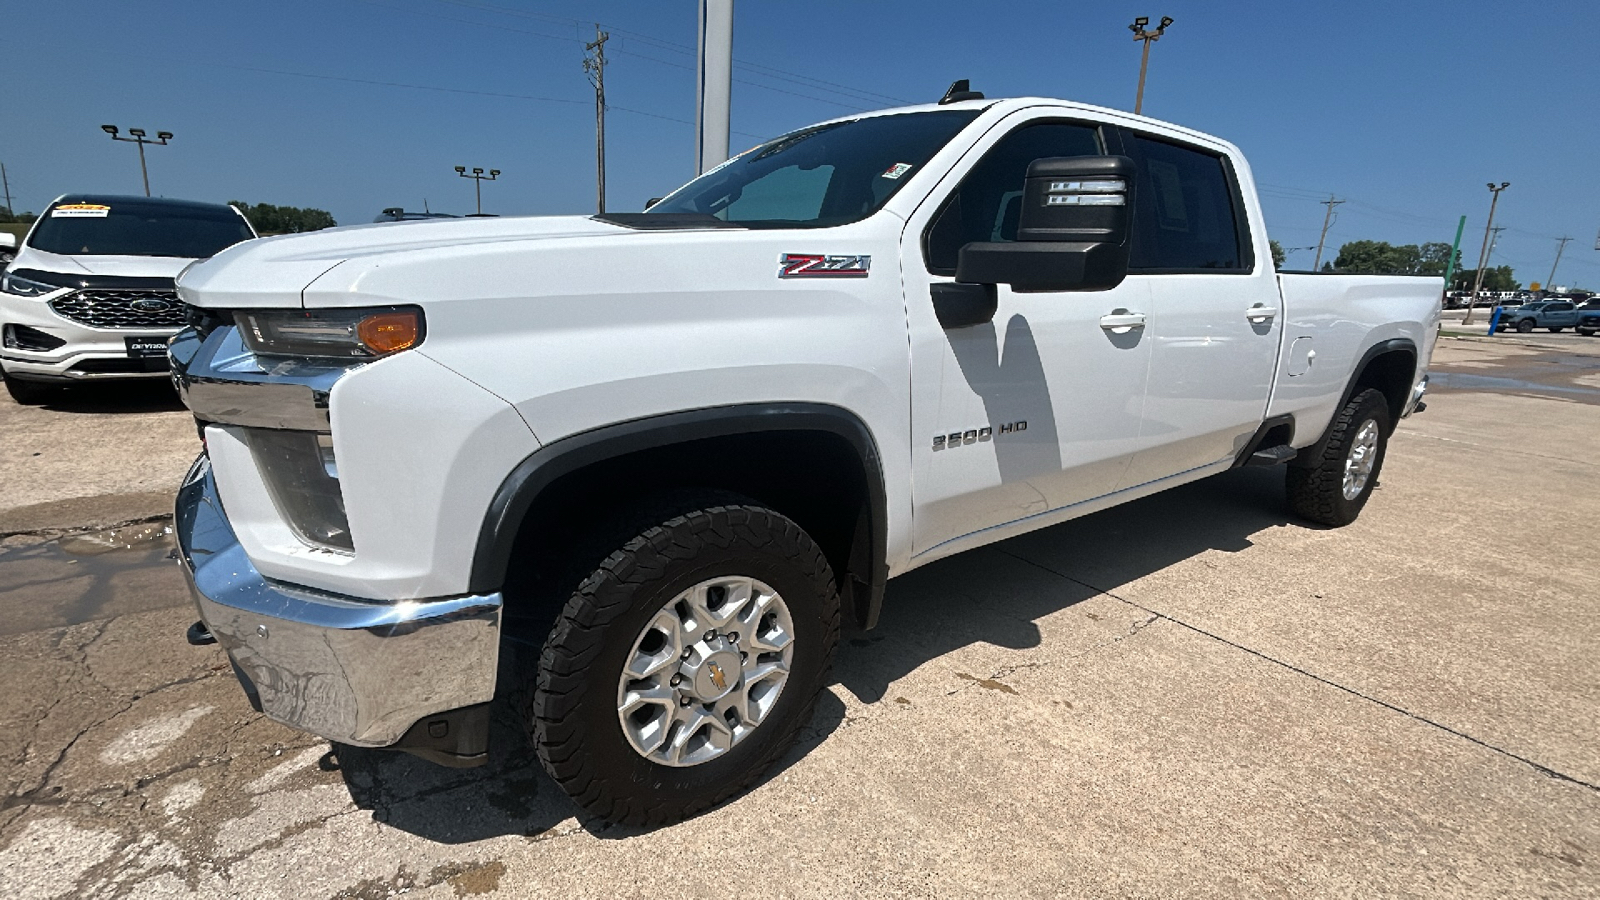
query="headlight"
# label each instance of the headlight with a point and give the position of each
(25, 287)
(331, 333)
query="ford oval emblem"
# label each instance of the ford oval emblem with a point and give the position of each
(151, 304)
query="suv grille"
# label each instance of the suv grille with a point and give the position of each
(121, 309)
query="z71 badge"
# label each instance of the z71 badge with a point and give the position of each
(816, 265)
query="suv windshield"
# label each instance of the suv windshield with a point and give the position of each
(824, 175)
(131, 228)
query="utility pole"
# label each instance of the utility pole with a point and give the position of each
(1548, 282)
(136, 135)
(1139, 34)
(1450, 264)
(595, 65)
(10, 211)
(713, 99)
(1327, 220)
(1483, 256)
(478, 178)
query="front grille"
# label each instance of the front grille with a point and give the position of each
(121, 308)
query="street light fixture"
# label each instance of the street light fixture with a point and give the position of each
(478, 178)
(1139, 34)
(1483, 256)
(136, 136)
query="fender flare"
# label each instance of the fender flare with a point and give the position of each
(491, 557)
(1307, 456)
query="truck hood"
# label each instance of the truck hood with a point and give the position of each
(116, 266)
(274, 271)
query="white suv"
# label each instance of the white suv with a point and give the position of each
(90, 294)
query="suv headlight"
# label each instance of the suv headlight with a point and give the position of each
(25, 287)
(331, 333)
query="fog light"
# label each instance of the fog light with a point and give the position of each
(302, 478)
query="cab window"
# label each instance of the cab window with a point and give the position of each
(986, 205)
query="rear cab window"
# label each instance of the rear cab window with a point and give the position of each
(1188, 211)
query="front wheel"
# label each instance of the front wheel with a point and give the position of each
(1336, 486)
(1525, 326)
(685, 664)
(1586, 332)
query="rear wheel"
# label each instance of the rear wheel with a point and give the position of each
(684, 665)
(1336, 487)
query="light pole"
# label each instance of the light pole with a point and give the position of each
(1483, 256)
(1139, 34)
(478, 178)
(136, 135)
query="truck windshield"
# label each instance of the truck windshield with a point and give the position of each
(816, 177)
(129, 228)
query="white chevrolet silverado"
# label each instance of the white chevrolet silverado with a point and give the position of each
(676, 447)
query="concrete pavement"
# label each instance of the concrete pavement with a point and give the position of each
(1191, 695)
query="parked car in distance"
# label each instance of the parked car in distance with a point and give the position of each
(1553, 315)
(91, 295)
(1588, 319)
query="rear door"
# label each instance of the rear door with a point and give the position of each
(1215, 318)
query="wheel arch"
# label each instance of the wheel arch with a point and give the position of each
(813, 439)
(1389, 366)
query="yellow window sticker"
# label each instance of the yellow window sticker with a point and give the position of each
(80, 211)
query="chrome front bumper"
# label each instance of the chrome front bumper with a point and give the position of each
(359, 672)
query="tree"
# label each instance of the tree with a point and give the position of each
(269, 219)
(1278, 256)
(6, 215)
(1434, 257)
(1498, 278)
(1377, 258)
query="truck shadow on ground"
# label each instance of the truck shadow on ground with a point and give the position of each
(994, 595)
(143, 396)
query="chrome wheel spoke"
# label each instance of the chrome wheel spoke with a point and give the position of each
(1361, 459)
(705, 671)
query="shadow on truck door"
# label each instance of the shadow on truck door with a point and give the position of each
(994, 595)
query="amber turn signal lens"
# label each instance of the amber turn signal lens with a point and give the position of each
(388, 332)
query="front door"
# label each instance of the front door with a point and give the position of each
(1038, 409)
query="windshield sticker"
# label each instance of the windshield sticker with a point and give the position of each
(80, 211)
(896, 170)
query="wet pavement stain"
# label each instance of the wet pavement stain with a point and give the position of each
(83, 577)
(988, 683)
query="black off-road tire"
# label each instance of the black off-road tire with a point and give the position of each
(1525, 326)
(1586, 332)
(28, 393)
(572, 716)
(1316, 492)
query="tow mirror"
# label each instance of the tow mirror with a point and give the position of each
(1073, 229)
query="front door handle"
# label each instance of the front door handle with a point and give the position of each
(1260, 313)
(1122, 321)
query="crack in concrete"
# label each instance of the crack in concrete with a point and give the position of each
(1537, 767)
(53, 532)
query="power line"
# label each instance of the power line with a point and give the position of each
(446, 90)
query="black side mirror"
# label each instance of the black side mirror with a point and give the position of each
(1072, 232)
(652, 202)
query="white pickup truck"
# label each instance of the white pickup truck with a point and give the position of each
(675, 447)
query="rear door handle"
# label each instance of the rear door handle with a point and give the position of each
(1260, 313)
(1122, 322)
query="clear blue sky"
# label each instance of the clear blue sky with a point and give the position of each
(1406, 109)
